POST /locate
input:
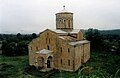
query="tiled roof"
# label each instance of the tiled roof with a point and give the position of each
(75, 31)
(58, 31)
(79, 42)
(68, 38)
(64, 11)
(44, 51)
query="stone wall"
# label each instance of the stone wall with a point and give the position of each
(78, 53)
(47, 40)
(66, 56)
(64, 21)
(80, 36)
(86, 52)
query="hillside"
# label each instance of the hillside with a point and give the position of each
(112, 32)
(106, 32)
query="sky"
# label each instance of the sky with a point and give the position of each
(28, 16)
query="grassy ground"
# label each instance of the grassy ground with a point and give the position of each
(101, 65)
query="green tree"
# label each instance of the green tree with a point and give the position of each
(118, 49)
(10, 49)
(22, 48)
(34, 35)
(4, 43)
(95, 37)
(18, 34)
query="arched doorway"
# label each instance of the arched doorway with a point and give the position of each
(40, 61)
(49, 62)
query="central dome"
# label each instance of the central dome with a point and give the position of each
(64, 20)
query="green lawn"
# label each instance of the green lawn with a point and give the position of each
(100, 65)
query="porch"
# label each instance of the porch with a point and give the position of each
(44, 60)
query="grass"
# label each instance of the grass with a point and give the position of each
(17, 66)
(100, 65)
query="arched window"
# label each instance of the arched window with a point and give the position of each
(48, 47)
(60, 20)
(61, 61)
(61, 49)
(36, 48)
(68, 62)
(46, 40)
(65, 23)
(68, 50)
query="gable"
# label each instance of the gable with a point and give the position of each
(47, 37)
(42, 35)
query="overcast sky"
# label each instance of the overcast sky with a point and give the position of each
(27, 16)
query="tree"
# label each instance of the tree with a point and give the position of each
(22, 48)
(118, 49)
(4, 43)
(34, 35)
(10, 49)
(18, 34)
(95, 37)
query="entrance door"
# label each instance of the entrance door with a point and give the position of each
(48, 63)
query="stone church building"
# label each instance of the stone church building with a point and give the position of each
(63, 48)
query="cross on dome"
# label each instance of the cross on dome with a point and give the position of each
(64, 7)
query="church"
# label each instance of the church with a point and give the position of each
(63, 48)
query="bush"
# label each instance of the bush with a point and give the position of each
(4, 66)
(29, 69)
(6, 70)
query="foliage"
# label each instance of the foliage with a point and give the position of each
(103, 41)
(10, 49)
(22, 48)
(5, 70)
(15, 45)
(111, 32)
(18, 34)
(13, 48)
(95, 37)
(34, 35)
(12, 67)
